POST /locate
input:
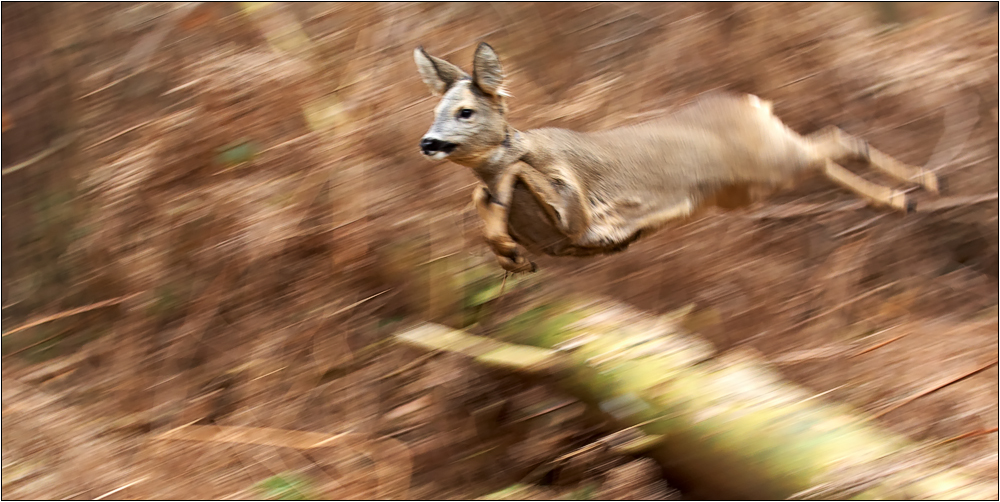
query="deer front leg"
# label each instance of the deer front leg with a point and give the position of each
(509, 254)
(566, 212)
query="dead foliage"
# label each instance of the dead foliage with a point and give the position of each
(263, 207)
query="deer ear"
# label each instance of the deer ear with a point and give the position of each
(437, 73)
(487, 73)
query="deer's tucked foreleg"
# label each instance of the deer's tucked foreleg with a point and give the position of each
(565, 211)
(509, 254)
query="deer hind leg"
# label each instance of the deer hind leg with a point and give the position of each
(657, 220)
(876, 194)
(903, 172)
(838, 145)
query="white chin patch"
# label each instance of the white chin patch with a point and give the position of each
(439, 156)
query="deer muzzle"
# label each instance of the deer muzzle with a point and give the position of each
(432, 146)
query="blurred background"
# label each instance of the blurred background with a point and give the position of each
(217, 213)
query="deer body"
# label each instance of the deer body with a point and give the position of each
(562, 192)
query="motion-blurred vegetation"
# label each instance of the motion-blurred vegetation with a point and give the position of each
(224, 210)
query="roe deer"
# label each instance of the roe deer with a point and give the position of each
(561, 192)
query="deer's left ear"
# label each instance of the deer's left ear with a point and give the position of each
(437, 73)
(487, 73)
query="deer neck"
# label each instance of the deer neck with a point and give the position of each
(488, 167)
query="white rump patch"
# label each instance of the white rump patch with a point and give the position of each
(759, 103)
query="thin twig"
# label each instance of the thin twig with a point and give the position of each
(929, 390)
(878, 345)
(68, 313)
(859, 226)
(357, 303)
(56, 145)
(102, 88)
(118, 134)
(550, 409)
(438, 258)
(22, 349)
(821, 394)
(116, 490)
(292, 141)
(966, 435)
(800, 79)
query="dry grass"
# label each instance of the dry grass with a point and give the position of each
(255, 196)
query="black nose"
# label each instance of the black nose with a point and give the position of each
(431, 146)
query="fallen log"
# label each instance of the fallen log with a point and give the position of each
(723, 425)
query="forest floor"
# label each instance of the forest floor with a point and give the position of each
(257, 206)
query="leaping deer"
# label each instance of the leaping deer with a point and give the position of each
(567, 193)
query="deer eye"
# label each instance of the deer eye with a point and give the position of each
(465, 113)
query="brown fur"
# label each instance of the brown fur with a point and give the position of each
(561, 192)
